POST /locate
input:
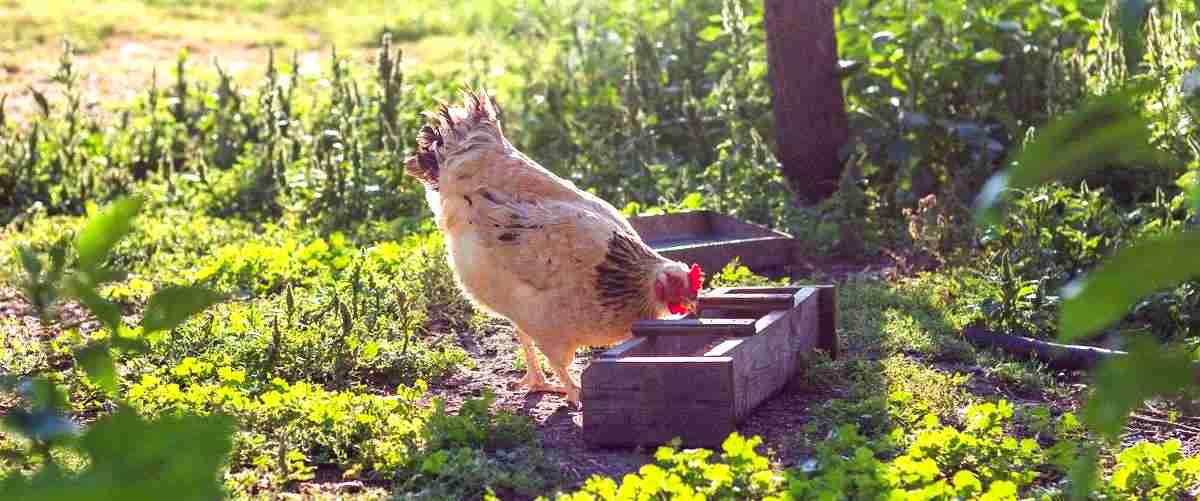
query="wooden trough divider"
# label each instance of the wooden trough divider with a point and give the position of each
(696, 378)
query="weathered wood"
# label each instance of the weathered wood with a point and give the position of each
(674, 226)
(827, 339)
(712, 240)
(765, 362)
(759, 254)
(737, 327)
(749, 302)
(651, 400)
(724, 224)
(649, 390)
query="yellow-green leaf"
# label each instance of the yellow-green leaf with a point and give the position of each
(989, 55)
(710, 33)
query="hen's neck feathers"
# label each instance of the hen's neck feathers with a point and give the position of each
(625, 279)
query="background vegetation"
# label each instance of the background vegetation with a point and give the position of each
(327, 317)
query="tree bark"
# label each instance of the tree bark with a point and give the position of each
(810, 115)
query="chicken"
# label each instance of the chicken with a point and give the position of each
(565, 267)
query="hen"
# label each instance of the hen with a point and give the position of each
(565, 267)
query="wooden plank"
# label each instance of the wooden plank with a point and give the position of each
(760, 290)
(755, 253)
(724, 224)
(660, 345)
(752, 302)
(724, 348)
(675, 226)
(827, 339)
(736, 327)
(649, 401)
(629, 347)
(712, 240)
(765, 362)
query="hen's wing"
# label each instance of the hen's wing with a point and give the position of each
(546, 243)
(510, 171)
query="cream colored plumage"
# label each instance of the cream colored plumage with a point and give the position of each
(563, 265)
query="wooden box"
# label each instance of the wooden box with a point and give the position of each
(711, 239)
(696, 378)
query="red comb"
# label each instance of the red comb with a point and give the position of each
(696, 276)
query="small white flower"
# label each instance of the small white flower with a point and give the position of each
(809, 466)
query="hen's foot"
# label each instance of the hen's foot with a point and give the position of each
(532, 379)
(549, 388)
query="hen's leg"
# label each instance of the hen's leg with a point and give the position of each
(560, 358)
(534, 380)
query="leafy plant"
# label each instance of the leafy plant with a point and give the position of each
(116, 470)
(738, 473)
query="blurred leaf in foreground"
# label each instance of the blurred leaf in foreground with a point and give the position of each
(132, 460)
(1123, 383)
(1106, 294)
(103, 231)
(98, 363)
(173, 305)
(1106, 130)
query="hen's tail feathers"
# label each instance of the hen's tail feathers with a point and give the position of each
(447, 126)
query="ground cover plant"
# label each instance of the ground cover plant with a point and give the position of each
(224, 256)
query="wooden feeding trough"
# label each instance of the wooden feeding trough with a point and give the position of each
(696, 378)
(711, 239)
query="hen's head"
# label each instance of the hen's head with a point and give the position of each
(678, 287)
(451, 131)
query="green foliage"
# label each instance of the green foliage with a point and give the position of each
(735, 274)
(1154, 471)
(1107, 293)
(103, 231)
(131, 458)
(933, 462)
(740, 472)
(116, 469)
(947, 88)
(456, 464)
(1107, 129)
(476, 427)
(307, 424)
(672, 94)
(286, 194)
(171, 306)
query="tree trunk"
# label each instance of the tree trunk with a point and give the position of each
(810, 116)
